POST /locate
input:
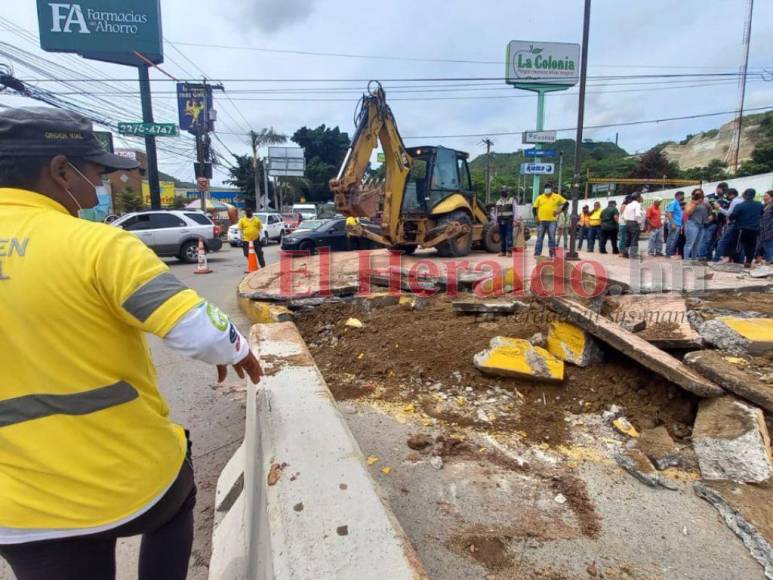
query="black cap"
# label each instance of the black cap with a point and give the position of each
(46, 132)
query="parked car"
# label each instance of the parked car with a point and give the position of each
(273, 229)
(328, 233)
(172, 233)
(291, 221)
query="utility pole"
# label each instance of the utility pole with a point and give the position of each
(488, 143)
(560, 170)
(150, 140)
(572, 255)
(744, 67)
(256, 178)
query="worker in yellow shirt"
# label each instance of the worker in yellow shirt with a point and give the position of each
(594, 225)
(547, 208)
(250, 228)
(88, 453)
(355, 241)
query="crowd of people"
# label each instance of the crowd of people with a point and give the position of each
(723, 225)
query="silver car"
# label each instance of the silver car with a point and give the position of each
(172, 233)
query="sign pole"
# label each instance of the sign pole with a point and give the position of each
(572, 255)
(537, 179)
(150, 141)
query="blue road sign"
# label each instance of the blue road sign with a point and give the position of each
(540, 153)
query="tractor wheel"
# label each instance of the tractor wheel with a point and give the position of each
(461, 245)
(491, 241)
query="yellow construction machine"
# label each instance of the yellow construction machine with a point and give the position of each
(426, 199)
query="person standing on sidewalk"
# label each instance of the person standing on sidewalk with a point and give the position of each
(729, 233)
(251, 227)
(505, 212)
(711, 229)
(766, 228)
(546, 209)
(583, 222)
(609, 227)
(88, 453)
(655, 227)
(633, 216)
(564, 223)
(746, 217)
(674, 215)
(594, 222)
(696, 214)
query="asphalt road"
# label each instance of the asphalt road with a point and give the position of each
(216, 420)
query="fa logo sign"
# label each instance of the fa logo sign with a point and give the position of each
(64, 16)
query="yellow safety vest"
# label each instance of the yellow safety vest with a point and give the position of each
(85, 437)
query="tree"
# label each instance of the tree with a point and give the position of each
(324, 149)
(761, 161)
(716, 170)
(179, 202)
(654, 165)
(128, 200)
(243, 177)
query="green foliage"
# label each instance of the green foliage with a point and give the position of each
(128, 200)
(761, 161)
(324, 149)
(686, 139)
(243, 177)
(179, 202)
(654, 165)
(711, 133)
(716, 170)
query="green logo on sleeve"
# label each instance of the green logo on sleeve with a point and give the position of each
(218, 317)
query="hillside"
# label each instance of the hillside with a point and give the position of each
(699, 150)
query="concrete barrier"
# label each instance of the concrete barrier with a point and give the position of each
(308, 507)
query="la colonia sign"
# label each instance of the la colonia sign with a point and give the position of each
(549, 63)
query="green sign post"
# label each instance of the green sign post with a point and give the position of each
(541, 67)
(148, 129)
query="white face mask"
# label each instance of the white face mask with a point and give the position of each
(548, 190)
(72, 197)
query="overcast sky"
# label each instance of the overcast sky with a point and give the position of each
(630, 37)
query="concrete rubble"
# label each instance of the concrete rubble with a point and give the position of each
(659, 447)
(573, 345)
(734, 374)
(516, 357)
(635, 462)
(731, 441)
(717, 333)
(758, 332)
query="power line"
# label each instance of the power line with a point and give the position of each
(604, 126)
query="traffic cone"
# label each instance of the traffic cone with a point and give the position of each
(202, 267)
(252, 258)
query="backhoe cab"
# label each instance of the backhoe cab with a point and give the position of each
(426, 199)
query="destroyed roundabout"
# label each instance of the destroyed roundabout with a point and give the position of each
(516, 435)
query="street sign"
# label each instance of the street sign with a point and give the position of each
(542, 63)
(148, 129)
(539, 137)
(202, 183)
(380, 157)
(540, 153)
(286, 162)
(108, 30)
(194, 107)
(538, 168)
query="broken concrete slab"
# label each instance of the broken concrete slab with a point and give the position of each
(761, 272)
(573, 345)
(516, 357)
(637, 464)
(370, 302)
(758, 332)
(498, 284)
(634, 347)
(731, 441)
(471, 307)
(634, 325)
(748, 511)
(665, 317)
(716, 333)
(658, 446)
(264, 312)
(729, 374)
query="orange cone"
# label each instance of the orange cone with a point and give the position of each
(202, 267)
(252, 258)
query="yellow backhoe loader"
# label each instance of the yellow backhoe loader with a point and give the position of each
(426, 199)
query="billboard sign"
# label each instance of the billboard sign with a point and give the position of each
(108, 30)
(539, 136)
(194, 106)
(286, 162)
(532, 63)
(538, 168)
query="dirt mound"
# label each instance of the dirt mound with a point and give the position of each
(424, 358)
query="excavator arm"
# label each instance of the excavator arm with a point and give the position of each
(375, 123)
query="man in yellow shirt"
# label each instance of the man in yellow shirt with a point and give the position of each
(594, 223)
(251, 227)
(88, 453)
(547, 207)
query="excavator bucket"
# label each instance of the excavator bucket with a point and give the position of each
(363, 200)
